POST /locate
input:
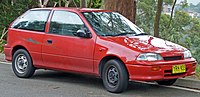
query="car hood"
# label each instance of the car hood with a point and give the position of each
(146, 43)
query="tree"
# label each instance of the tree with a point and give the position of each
(145, 15)
(95, 3)
(66, 3)
(43, 3)
(157, 18)
(172, 12)
(125, 7)
(83, 4)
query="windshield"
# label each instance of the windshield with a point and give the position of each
(111, 24)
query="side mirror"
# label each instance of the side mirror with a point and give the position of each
(83, 34)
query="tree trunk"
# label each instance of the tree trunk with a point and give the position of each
(43, 3)
(59, 3)
(83, 4)
(89, 4)
(125, 7)
(157, 18)
(40, 4)
(172, 13)
(134, 11)
(13, 2)
(67, 2)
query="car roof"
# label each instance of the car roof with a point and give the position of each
(73, 9)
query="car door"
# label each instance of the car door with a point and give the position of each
(62, 49)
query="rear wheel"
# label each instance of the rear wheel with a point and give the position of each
(22, 64)
(115, 76)
(167, 82)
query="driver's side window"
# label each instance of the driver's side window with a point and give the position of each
(65, 23)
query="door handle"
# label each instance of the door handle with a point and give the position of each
(49, 41)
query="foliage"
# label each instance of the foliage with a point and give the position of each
(170, 2)
(190, 7)
(96, 3)
(2, 41)
(76, 3)
(197, 76)
(145, 15)
(10, 11)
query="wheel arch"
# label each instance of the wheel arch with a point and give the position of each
(17, 47)
(107, 58)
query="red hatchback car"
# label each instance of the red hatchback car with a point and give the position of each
(97, 42)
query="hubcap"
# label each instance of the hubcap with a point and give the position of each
(21, 63)
(113, 76)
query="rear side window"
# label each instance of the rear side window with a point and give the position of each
(34, 20)
(65, 23)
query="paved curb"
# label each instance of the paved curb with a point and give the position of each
(2, 57)
(8, 63)
(188, 83)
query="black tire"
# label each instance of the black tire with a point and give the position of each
(167, 82)
(115, 76)
(22, 64)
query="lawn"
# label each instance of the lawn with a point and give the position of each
(197, 75)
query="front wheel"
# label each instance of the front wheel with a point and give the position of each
(115, 76)
(167, 82)
(22, 64)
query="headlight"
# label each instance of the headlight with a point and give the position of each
(149, 57)
(187, 54)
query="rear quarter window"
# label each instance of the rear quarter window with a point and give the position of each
(34, 20)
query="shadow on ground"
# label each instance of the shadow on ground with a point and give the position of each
(135, 88)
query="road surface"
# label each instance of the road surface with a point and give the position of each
(46, 83)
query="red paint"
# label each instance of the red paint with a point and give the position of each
(83, 55)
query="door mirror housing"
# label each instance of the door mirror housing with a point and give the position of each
(83, 34)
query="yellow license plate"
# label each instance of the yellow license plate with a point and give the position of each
(178, 69)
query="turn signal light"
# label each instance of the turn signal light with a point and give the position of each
(155, 68)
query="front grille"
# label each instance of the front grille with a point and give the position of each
(171, 58)
(171, 75)
(168, 73)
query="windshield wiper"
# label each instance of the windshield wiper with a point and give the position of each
(141, 34)
(121, 34)
(108, 35)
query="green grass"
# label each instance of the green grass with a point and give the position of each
(197, 75)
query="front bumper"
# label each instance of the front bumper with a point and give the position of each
(143, 70)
